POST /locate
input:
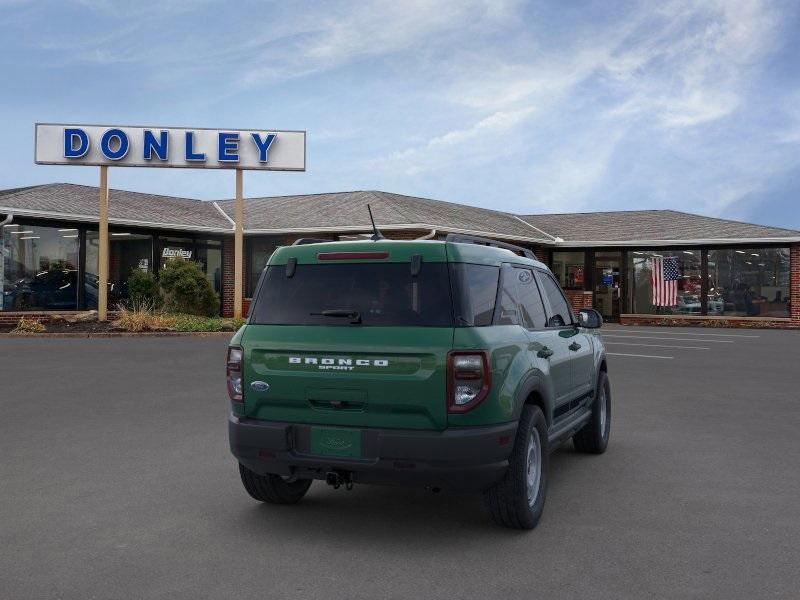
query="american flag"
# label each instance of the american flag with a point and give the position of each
(664, 277)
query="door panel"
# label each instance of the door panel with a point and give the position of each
(581, 362)
(557, 364)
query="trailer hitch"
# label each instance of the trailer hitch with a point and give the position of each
(339, 478)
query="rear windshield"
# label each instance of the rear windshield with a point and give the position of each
(383, 294)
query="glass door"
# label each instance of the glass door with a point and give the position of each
(608, 284)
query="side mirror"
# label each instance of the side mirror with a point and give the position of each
(590, 318)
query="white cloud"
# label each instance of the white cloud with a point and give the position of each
(475, 144)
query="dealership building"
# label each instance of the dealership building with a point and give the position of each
(724, 272)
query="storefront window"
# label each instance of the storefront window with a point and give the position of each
(746, 282)
(174, 247)
(666, 282)
(260, 249)
(209, 255)
(128, 252)
(568, 267)
(39, 268)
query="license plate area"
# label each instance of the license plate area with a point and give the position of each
(332, 441)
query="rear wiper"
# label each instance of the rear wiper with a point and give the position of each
(353, 315)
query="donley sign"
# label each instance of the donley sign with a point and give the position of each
(189, 148)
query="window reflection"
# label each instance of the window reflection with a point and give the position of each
(748, 282)
(666, 282)
(128, 251)
(568, 267)
(39, 268)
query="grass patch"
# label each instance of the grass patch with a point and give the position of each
(26, 325)
(144, 318)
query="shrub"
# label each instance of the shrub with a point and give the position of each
(186, 289)
(141, 317)
(27, 325)
(143, 289)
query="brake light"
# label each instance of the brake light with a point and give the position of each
(234, 373)
(351, 255)
(468, 379)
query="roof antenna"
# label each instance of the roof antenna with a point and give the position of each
(377, 235)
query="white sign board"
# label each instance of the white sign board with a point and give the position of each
(189, 148)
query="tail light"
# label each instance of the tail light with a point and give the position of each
(234, 373)
(468, 379)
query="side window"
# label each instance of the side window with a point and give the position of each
(530, 300)
(474, 289)
(560, 313)
(507, 304)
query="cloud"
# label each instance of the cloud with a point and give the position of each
(467, 146)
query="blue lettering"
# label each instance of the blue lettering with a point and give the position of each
(228, 142)
(122, 144)
(190, 153)
(70, 137)
(263, 145)
(159, 146)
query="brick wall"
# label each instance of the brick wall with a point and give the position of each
(579, 299)
(227, 276)
(13, 317)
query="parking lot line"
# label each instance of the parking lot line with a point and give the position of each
(657, 345)
(638, 355)
(652, 337)
(735, 335)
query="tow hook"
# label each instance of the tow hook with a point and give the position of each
(338, 479)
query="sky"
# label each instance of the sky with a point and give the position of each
(529, 107)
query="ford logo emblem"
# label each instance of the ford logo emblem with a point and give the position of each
(259, 386)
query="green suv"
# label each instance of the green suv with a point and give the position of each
(454, 364)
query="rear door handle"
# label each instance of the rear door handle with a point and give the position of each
(544, 353)
(574, 346)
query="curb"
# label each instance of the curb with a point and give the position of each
(119, 334)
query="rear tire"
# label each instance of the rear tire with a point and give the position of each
(593, 438)
(518, 500)
(273, 489)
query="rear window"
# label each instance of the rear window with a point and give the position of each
(474, 291)
(382, 294)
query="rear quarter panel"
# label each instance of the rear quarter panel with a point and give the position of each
(510, 365)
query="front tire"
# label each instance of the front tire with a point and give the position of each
(273, 489)
(518, 500)
(593, 438)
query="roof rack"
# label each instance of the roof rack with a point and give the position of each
(304, 241)
(458, 238)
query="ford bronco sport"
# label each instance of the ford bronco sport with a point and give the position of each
(453, 364)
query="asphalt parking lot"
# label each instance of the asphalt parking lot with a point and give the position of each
(116, 482)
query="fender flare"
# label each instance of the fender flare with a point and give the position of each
(534, 382)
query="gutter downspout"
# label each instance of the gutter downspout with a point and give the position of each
(7, 220)
(428, 236)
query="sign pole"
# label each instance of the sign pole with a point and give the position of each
(102, 256)
(238, 248)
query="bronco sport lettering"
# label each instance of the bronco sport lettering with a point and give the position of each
(490, 370)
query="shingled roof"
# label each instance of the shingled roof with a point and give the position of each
(638, 226)
(79, 202)
(347, 211)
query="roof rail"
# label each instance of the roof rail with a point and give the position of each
(304, 241)
(458, 238)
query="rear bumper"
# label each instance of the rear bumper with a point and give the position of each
(464, 458)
